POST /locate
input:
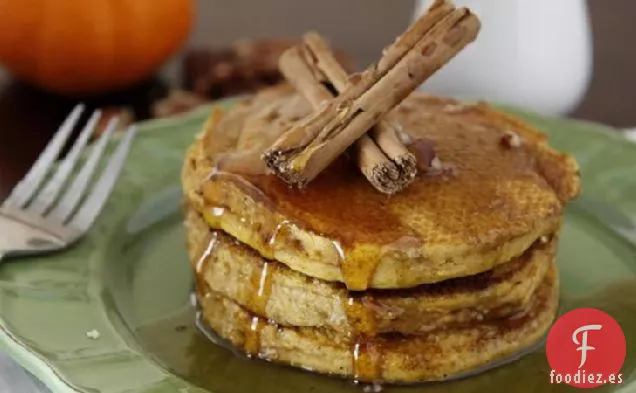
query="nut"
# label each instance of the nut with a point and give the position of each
(175, 103)
(511, 139)
(424, 152)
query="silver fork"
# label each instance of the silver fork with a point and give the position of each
(44, 213)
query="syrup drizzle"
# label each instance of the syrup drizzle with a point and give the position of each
(357, 271)
(366, 361)
(262, 289)
(277, 236)
(201, 287)
(205, 257)
(253, 329)
(366, 354)
(263, 284)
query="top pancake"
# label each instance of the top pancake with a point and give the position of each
(488, 206)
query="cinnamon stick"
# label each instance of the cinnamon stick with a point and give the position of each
(384, 134)
(314, 71)
(310, 146)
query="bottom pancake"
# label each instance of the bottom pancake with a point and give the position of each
(435, 356)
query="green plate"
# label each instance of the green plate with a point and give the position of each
(129, 280)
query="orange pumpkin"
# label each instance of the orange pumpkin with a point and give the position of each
(79, 47)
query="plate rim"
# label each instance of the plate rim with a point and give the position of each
(32, 362)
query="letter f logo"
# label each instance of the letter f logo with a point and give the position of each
(583, 344)
(569, 344)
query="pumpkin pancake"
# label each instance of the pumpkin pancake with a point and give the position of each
(273, 291)
(488, 202)
(392, 358)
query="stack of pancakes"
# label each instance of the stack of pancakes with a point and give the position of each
(453, 273)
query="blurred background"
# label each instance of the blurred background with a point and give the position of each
(567, 58)
(360, 28)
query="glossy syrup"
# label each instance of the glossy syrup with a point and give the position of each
(201, 266)
(366, 354)
(252, 333)
(262, 288)
(263, 284)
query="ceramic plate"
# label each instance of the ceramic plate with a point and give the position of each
(129, 284)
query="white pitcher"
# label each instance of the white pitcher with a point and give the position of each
(534, 54)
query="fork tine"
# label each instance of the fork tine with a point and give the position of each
(74, 193)
(102, 189)
(30, 183)
(46, 197)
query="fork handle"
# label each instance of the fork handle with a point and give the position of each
(19, 239)
(5, 227)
